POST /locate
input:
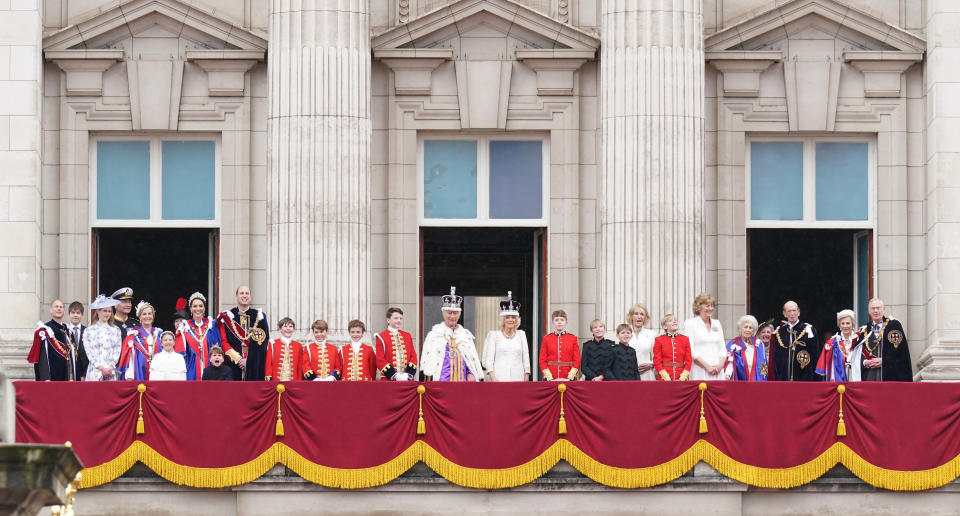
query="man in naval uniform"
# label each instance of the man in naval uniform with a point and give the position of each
(245, 334)
(122, 318)
(882, 353)
(794, 349)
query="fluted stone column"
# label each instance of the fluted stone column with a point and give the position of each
(941, 360)
(318, 178)
(652, 167)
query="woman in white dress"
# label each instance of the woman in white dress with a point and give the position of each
(707, 345)
(505, 354)
(102, 341)
(642, 340)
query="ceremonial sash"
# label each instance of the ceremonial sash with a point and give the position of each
(45, 334)
(834, 362)
(198, 344)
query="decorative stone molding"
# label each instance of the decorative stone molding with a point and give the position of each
(458, 13)
(482, 86)
(743, 35)
(413, 67)
(225, 69)
(84, 69)
(741, 69)
(555, 68)
(882, 69)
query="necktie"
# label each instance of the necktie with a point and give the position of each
(76, 335)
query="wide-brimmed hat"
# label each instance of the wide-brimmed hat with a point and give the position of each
(102, 301)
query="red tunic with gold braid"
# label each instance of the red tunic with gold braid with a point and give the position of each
(284, 361)
(560, 356)
(395, 354)
(321, 359)
(359, 366)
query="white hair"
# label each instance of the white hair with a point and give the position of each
(847, 313)
(748, 319)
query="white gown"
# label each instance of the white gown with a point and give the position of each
(707, 345)
(509, 359)
(642, 343)
(168, 366)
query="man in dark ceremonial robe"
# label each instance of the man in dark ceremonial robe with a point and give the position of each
(54, 354)
(795, 348)
(882, 353)
(245, 334)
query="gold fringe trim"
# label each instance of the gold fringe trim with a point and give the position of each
(562, 449)
(179, 474)
(493, 478)
(350, 478)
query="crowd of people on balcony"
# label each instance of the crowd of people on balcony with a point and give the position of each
(123, 343)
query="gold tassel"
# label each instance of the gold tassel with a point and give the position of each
(841, 427)
(140, 389)
(563, 422)
(280, 389)
(421, 425)
(703, 418)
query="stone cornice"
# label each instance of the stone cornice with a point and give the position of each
(776, 18)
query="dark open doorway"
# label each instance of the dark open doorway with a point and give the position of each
(823, 270)
(484, 263)
(160, 265)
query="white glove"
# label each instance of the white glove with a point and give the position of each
(318, 379)
(129, 374)
(330, 378)
(401, 377)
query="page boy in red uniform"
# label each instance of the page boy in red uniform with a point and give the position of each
(358, 359)
(284, 355)
(396, 357)
(559, 351)
(321, 360)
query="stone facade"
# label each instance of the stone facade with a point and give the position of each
(319, 112)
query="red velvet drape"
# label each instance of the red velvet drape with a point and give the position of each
(903, 427)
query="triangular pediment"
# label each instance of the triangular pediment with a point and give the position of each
(813, 20)
(155, 19)
(485, 18)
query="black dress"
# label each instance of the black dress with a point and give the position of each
(624, 363)
(596, 358)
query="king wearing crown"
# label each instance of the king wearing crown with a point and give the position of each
(449, 351)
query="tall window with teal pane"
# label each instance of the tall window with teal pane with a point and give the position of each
(450, 179)
(123, 180)
(842, 184)
(776, 180)
(189, 180)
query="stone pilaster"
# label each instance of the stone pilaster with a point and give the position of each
(652, 120)
(318, 179)
(20, 153)
(941, 359)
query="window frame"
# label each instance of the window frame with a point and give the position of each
(155, 144)
(483, 179)
(809, 182)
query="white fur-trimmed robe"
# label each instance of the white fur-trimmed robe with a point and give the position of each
(435, 348)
